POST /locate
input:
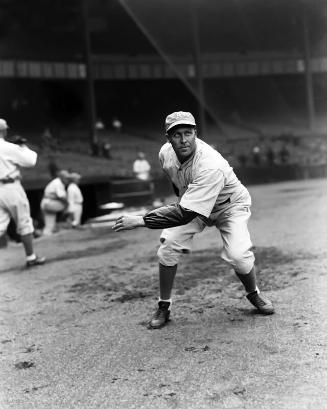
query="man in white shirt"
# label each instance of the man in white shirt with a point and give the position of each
(75, 199)
(13, 200)
(209, 194)
(141, 167)
(54, 201)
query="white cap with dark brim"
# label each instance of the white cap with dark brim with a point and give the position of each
(179, 118)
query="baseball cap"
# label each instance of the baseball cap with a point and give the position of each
(3, 125)
(75, 175)
(63, 173)
(179, 118)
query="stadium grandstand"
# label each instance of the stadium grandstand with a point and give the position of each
(254, 73)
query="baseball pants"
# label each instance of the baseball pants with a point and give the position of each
(14, 204)
(233, 226)
(50, 208)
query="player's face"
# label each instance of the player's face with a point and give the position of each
(182, 139)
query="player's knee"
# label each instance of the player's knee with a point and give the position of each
(242, 261)
(25, 227)
(168, 252)
(233, 255)
(167, 256)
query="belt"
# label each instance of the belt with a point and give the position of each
(52, 198)
(225, 202)
(7, 180)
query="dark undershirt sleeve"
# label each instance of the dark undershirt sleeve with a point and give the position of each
(175, 190)
(168, 216)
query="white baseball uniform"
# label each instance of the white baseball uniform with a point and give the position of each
(53, 202)
(141, 168)
(75, 203)
(13, 200)
(208, 186)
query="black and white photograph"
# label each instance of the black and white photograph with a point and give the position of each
(163, 204)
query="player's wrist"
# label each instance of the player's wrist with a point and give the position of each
(141, 221)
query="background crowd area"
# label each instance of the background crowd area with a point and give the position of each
(268, 145)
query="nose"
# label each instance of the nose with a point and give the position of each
(183, 138)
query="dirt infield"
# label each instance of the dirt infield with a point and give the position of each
(73, 332)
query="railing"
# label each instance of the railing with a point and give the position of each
(140, 68)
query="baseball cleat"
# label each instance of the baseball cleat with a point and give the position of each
(161, 316)
(262, 304)
(38, 261)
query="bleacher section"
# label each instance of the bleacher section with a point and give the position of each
(72, 150)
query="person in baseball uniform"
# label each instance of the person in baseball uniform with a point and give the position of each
(141, 167)
(14, 203)
(75, 199)
(209, 194)
(54, 201)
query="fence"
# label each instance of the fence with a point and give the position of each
(134, 192)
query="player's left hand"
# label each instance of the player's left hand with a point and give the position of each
(128, 222)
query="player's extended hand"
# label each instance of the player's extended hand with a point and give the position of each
(128, 222)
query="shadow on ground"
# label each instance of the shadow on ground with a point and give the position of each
(201, 269)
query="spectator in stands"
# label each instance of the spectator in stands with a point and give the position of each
(243, 159)
(75, 199)
(52, 166)
(256, 155)
(106, 150)
(98, 129)
(116, 124)
(141, 167)
(284, 155)
(99, 125)
(49, 142)
(54, 201)
(270, 155)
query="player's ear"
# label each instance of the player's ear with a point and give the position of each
(167, 136)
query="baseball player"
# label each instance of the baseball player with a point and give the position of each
(209, 194)
(75, 199)
(54, 201)
(13, 200)
(141, 167)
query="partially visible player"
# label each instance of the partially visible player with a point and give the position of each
(13, 200)
(54, 201)
(75, 199)
(209, 194)
(141, 167)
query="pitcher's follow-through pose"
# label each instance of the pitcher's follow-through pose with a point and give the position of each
(209, 194)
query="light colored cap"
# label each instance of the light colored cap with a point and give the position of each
(75, 175)
(3, 125)
(63, 173)
(179, 118)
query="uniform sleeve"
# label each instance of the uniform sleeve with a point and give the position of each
(202, 193)
(70, 194)
(60, 191)
(21, 155)
(161, 157)
(168, 216)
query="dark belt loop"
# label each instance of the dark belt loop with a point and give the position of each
(7, 180)
(225, 202)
